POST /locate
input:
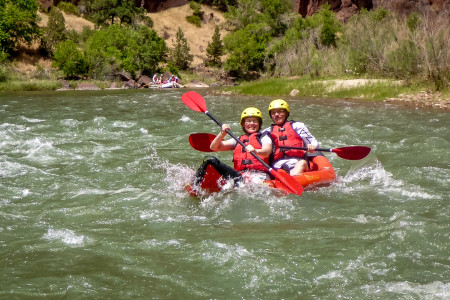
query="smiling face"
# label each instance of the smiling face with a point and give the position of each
(278, 115)
(251, 125)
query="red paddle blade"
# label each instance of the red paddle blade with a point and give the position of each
(293, 186)
(194, 101)
(352, 152)
(201, 141)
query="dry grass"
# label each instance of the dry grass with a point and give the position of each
(72, 22)
(166, 24)
(29, 56)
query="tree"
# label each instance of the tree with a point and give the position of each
(69, 59)
(116, 48)
(215, 49)
(18, 23)
(255, 24)
(105, 12)
(247, 49)
(54, 32)
(180, 55)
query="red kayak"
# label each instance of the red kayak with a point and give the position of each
(321, 174)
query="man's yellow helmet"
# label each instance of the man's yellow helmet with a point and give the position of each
(251, 112)
(279, 103)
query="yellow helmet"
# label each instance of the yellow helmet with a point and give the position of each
(251, 112)
(279, 103)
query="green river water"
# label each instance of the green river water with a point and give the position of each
(93, 206)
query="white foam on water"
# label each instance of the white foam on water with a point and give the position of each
(433, 290)
(38, 149)
(66, 236)
(185, 118)
(70, 122)
(122, 124)
(31, 120)
(383, 181)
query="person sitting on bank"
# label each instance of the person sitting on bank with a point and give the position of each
(260, 144)
(289, 134)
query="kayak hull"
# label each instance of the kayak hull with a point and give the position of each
(321, 174)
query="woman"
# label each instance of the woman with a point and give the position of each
(260, 144)
(289, 134)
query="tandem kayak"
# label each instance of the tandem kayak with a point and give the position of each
(212, 181)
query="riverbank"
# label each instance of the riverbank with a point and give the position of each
(419, 95)
(388, 91)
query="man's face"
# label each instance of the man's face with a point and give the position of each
(278, 115)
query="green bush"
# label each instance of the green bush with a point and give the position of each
(3, 74)
(247, 49)
(404, 61)
(55, 31)
(68, 8)
(116, 48)
(18, 23)
(69, 59)
(194, 20)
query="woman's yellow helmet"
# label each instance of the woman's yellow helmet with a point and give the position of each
(279, 103)
(251, 112)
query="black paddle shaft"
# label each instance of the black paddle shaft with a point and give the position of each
(238, 140)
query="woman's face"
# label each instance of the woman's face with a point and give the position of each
(278, 115)
(251, 125)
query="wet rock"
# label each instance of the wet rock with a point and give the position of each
(130, 84)
(145, 81)
(65, 86)
(113, 86)
(294, 92)
(125, 76)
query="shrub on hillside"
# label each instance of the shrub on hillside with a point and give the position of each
(194, 20)
(55, 31)
(69, 59)
(116, 48)
(255, 23)
(68, 8)
(18, 23)
(109, 12)
(3, 74)
(247, 49)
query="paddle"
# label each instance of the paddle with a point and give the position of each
(349, 152)
(196, 102)
(201, 142)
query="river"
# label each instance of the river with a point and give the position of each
(93, 204)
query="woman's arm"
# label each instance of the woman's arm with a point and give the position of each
(218, 144)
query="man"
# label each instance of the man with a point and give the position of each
(289, 134)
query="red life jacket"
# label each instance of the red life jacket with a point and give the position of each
(244, 160)
(285, 135)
